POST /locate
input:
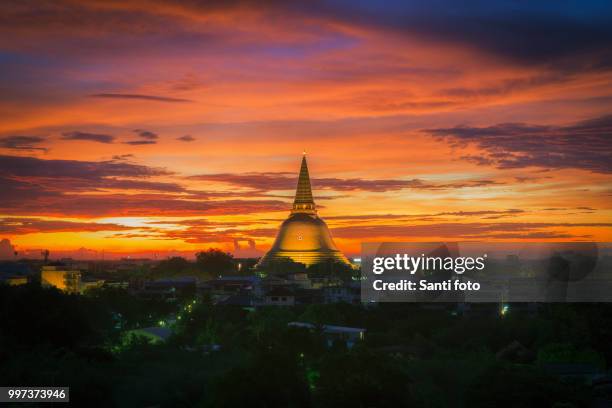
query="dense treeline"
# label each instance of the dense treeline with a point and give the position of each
(207, 265)
(411, 356)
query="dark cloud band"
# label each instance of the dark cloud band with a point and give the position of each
(139, 97)
(586, 145)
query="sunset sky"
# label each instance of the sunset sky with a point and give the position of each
(155, 128)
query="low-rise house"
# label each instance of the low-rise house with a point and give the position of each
(241, 299)
(232, 285)
(349, 335)
(279, 297)
(338, 294)
(300, 280)
(166, 289)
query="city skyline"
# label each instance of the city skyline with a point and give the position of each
(153, 128)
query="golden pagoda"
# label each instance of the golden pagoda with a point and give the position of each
(304, 237)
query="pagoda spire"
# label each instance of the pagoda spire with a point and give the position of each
(303, 237)
(304, 202)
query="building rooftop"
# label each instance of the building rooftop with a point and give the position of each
(328, 328)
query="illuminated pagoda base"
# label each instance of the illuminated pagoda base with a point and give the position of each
(304, 237)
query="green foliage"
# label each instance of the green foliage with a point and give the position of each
(174, 267)
(208, 265)
(129, 311)
(523, 386)
(31, 315)
(361, 378)
(215, 262)
(207, 324)
(266, 322)
(333, 269)
(87, 376)
(266, 379)
(282, 267)
(411, 355)
(338, 314)
(568, 353)
(441, 378)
